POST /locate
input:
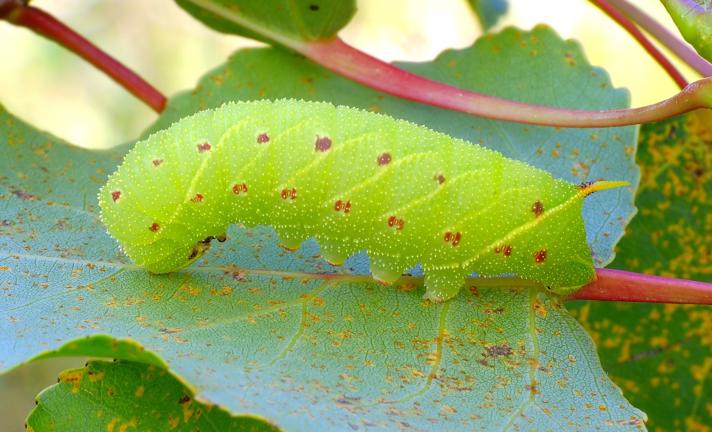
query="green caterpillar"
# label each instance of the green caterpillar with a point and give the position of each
(355, 181)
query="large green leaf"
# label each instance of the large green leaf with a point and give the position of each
(488, 12)
(127, 396)
(276, 20)
(694, 20)
(534, 66)
(662, 354)
(284, 335)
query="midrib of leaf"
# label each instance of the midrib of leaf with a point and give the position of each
(253, 26)
(485, 282)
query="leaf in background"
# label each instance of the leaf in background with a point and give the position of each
(488, 12)
(120, 396)
(694, 20)
(284, 335)
(535, 67)
(661, 355)
(276, 20)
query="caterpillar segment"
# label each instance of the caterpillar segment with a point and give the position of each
(355, 181)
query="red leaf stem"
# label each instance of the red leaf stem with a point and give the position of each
(46, 25)
(638, 35)
(676, 45)
(336, 55)
(619, 285)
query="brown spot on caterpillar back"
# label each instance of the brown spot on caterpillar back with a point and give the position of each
(238, 188)
(204, 147)
(439, 178)
(262, 138)
(456, 239)
(288, 193)
(540, 256)
(115, 195)
(197, 198)
(154, 227)
(384, 159)
(392, 221)
(340, 205)
(157, 162)
(322, 144)
(537, 208)
(506, 250)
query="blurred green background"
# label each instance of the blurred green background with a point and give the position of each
(56, 91)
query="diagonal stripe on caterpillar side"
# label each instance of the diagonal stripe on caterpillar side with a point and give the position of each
(355, 181)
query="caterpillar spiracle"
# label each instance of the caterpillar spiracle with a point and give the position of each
(354, 181)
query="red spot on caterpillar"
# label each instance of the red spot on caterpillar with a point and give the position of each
(157, 162)
(392, 221)
(439, 178)
(322, 144)
(456, 239)
(115, 195)
(540, 256)
(197, 198)
(262, 138)
(507, 250)
(537, 208)
(340, 205)
(154, 227)
(384, 159)
(288, 193)
(238, 188)
(401, 223)
(202, 148)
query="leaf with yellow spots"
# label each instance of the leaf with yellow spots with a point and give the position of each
(660, 354)
(126, 396)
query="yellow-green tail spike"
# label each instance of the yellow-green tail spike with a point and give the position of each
(601, 185)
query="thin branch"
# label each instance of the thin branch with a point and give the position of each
(664, 36)
(46, 25)
(618, 285)
(638, 35)
(360, 67)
